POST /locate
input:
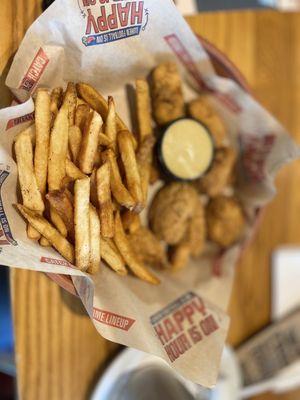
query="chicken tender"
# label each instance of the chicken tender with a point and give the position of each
(225, 220)
(201, 110)
(148, 248)
(219, 174)
(171, 210)
(167, 97)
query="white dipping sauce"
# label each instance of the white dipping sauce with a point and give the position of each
(187, 149)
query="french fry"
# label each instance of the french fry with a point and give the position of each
(60, 243)
(111, 124)
(89, 143)
(75, 137)
(30, 131)
(60, 201)
(81, 102)
(58, 150)
(97, 159)
(56, 101)
(104, 140)
(95, 243)
(82, 223)
(58, 222)
(44, 242)
(119, 191)
(73, 172)
(70, 101)
(138, 268)
(95, 100)
(42, 133)
(82, 112)
(104, 201)
(93, 188)
(131, 169)
(143, 106)
(110, 254)
(144, 160)
(131, 221)
(32, 233)
(180, 255)
(31, 195)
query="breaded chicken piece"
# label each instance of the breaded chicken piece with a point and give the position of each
(148, 248)
(201, 110)
(218, 176)
(167, 97)
(225, 220)
(171, 209)
(193, 242)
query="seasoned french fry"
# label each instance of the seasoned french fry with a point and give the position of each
(131, 169)
(42, 133)
(73, 172)
(32, 233)
(30, 131)
(60, 201)
(75, 137)
(56, 100)
(82, 223)
(70, 101)
(105, 202)
(131, 221)
(29, 189)
(111, 123)
(138, 268)
(58, 222)
(104, 140)
(143, 106)
(110, 254)
(95, 242)
(99, 104)
(82, 112)
(58, 150)
(44, 242)
(144, 160)
(89, 143)
(49, 232)
(119, 191)
(154, 174)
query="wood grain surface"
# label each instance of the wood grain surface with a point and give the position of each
(58, 352)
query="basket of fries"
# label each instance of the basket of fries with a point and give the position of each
(131, 168)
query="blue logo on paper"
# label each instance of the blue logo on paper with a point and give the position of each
(6, 237)
(113, 21)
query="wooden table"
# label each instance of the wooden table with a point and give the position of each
(58, 352)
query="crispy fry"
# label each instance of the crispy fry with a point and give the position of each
(70, 101)
(99, 104)
(131, 169)
(60, 201)
(44, 242)
(130, 221)
(104, 140)
(119, 191)
(90, 141)
(95, 243)
(82, 112)
(56, 100)
(144, 160)
(42, 132)
(73, 172)
(29, 189)
(30, 131)
(58, 222)
(143, 106)
(32, 233)
(138, 268)
(58, 150)
(112, 257)
(111, 124)
(82, 223)
(75, 137)
(104, 201)
(49, 232)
